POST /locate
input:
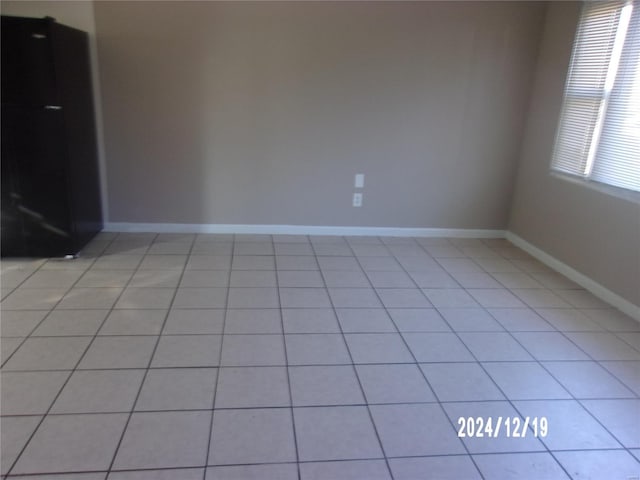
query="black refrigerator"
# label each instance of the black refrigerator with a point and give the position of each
(50, 176)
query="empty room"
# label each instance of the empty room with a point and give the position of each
(328, 240)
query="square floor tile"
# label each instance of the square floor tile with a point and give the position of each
(134, 322)
(449, 297)
(164, 439)
(459, 265)
(119, 352)
(460, 382)
(434, 279)
(8, 346)
(451, 467)
(253, 248)
(500, 442)
(549, 346)
(496, 298)
(293, 249)
(300, 278)
(187, 351)
(20, 323)
(413, 430)
(571, 427)
(476, 280)
(364, 320)
(540, 298)
(279, 471)
(304, 298)
(156, 278)
(520, 320)
(200, 298)
(205, 279)
(345, 279)
(354, 298)
(604, 346)
(72, 443)
(52, 279)
(70, 322)
(316, 349)
(137, 297)
(403, 298)
(418, 320)
(437, 347)
(599, 464)
(250, 387)
(163, 262)
(374, 264)
(87, 298)
(33, 299)
(14, 434)
(494, 346)
(612, 319)
(345, 470)
(310, 320)
(626, 372)
(331, 263)
(253, 298)
(253, 262)
(378, 348)
(335, 433)
(209, 262)
(518, 466)
(252, 436)
(178, 389)
(194, 321)
(587, 380)
(253, 350)
(470, 320)
(99, 391)
(517, 280)
(620, 417)
(28, 393)
(296, 262)
(252, 321)
(394, 384)
(324, 385)
(525, 381)
(390, 280)
(48, 353)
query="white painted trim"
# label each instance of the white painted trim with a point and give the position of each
(301, 230)
(594, 287)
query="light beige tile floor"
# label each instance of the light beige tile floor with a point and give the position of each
(183, 357)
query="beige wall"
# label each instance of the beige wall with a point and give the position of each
(77, 14)
(592, 231)
(261, 113)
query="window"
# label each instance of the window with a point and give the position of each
(598, 136)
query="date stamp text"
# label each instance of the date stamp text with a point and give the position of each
(509, 427)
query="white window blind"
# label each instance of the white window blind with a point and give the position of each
(598, 136)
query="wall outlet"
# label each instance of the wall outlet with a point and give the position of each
(359, 181)
(357, 199)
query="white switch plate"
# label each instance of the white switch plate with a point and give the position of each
(359, 182)
(357, 199)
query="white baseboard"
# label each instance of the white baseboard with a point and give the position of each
(587, 283)
(301, 230)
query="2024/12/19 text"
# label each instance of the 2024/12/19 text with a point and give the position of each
(510, 427)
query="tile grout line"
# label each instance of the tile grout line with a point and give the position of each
(286, 361)
(219, 372)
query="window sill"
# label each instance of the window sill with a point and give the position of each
(621, 193)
